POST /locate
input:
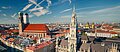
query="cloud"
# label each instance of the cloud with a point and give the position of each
(60, 2)
(49, 3)
(5, 7)
(31, 15)
(67, 16)
(106, 10)
(8, 20)
(14, 15)
(37, 6)
(34, 9)
(41, 12)
(33, 1)
(26, 7)
(70, 1)
(49, 12)
(66, 10)
(87, 8)
(37, 9)
(39, 3)
(4, 15)
(0, 10)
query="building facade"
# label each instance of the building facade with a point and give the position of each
(69, 44)
(32, 30)
(37, 32)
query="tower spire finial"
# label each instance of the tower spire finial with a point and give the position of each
(73, 9)
(73, 12)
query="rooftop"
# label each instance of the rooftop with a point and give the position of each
(84, 37)
(59, 35)
(36, 28)
(64, 42)
(103, 31)
(43, 44)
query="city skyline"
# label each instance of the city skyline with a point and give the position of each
(45, 11)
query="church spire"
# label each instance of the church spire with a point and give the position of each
(73, 33)
(73, 19)
(73, 12)
(74, 9)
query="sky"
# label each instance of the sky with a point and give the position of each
(60, 11)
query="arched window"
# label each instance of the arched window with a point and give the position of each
(72, 47)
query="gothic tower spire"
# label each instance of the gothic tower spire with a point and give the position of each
(73, 11)
(21, 24)
(73, 33)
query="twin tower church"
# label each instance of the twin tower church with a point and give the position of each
(68, 44)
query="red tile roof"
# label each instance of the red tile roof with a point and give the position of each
(3, 36)
(67, 31)
(47, 36)
(108, 27)
(11, 39)
(64, 43)
(105, 25)
(35, 38)
(59, 35)
(112, 32)
(63, 34)
(39, 46)
(79, 31)
(14, 30)
(36, 27)
(102, 31)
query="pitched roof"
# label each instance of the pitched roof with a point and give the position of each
(103, 31)
(2, 48)
(84, 37)
(59, 35)
(3, 36)
(96, 47)
(68, 31)
(36, 27)
(42, 45)
(11, 39)
(64, 43)
(85, 46)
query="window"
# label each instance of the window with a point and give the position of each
(72, 35)
(82, 50)
(72, 30)
(44, 35)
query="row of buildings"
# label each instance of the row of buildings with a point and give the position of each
(74, 42)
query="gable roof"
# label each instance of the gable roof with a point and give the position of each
(36, 27)
(84, 37)
(64, 42)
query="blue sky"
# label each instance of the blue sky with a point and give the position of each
(59, 11)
